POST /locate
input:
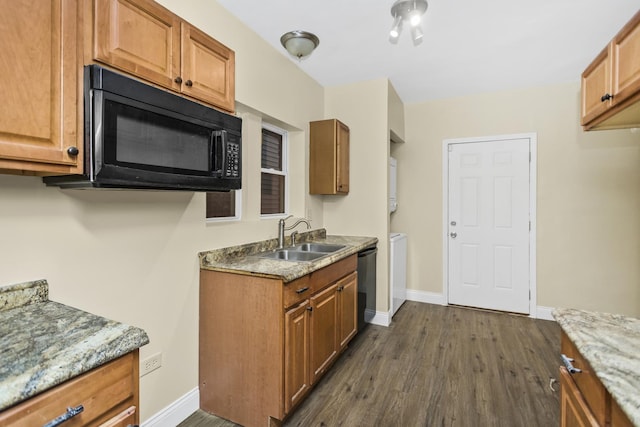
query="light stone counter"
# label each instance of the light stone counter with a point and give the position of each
(243, 259)
(611, 345)
(44, 343)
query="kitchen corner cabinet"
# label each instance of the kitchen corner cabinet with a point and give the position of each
(109, 395)
(265, 343)
(584, 401)
(143, 38)
(328, 157)
(39, 115)
(610, 94)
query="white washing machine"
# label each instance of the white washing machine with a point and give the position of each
(398, 274)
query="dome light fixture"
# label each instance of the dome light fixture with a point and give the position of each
(299, 43)
(409, 11)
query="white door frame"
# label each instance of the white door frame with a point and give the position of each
(533, 166)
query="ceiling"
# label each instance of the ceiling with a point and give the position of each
(470, 46)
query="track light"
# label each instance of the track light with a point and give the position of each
(410, 11)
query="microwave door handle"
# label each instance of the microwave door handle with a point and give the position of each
(218, 138)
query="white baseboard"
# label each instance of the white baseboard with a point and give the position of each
(544, 313)
(176, 412)
(428, 297)
(380, 318)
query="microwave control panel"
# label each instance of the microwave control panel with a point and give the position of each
(233, 160)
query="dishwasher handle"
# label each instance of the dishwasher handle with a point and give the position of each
(367, 252)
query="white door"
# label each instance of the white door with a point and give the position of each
(488, 224)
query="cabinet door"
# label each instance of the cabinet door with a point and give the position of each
(342, 178)
(296, 355)
(596, 84)
(208, 69)
(39, 114)
(324, 331)
(140, 37)
(347, 308)
(626, 64)
(126, 418)
(574, 411)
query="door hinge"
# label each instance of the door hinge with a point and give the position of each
(529, 225)
(529, 156)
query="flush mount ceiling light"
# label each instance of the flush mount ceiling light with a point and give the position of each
(410, 12)
(299, 43)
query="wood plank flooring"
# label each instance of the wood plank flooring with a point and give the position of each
(437, 366)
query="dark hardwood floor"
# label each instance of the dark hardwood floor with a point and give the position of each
(437, 366)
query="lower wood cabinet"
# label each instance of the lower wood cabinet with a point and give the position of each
(265, 343)
(584, 401)
(108, 394)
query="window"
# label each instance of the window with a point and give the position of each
(223, 205)
(274, 184)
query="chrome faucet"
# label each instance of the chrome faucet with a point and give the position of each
(282, 229)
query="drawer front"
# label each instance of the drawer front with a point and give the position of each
(330, 274)
(297, 291)
(125, 418)
(103, 392)
(586, 381)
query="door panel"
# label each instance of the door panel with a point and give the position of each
(489, 224)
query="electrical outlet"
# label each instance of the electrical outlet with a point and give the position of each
(150, 364)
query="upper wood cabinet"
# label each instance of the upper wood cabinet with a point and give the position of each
(39, 116)
(145, 39)
(611, 83)
(328, 157)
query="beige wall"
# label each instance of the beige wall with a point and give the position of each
(363, 107)
(132, 256)
(588, 194)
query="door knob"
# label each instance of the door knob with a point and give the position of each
(453, 235)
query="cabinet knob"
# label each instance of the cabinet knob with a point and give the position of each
(606, 97)
(178, 80)
(73, 151)
(309, 308)
(189, 83)
(340, 288)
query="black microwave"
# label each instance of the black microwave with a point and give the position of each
(137, 136)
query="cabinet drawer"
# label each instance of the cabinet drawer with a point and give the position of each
(125, 418)
(330, 274)
(296, 291)
(586, 381)
(103, 392)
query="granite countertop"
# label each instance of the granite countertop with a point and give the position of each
(243, 260)
(44, 343)
(611, 345)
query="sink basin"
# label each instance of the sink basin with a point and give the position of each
(292, 255)
(318, 247)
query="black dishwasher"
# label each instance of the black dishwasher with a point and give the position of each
(366, 286)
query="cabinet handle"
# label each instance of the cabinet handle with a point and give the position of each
(567, 362)
(301, 290)
(606, 97)
(340, 288)
(189, 83)
(71, 412)
(309, 308)
(73, 151)
(178, 80)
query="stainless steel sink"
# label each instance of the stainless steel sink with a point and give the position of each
(292, 255)
(318, 247)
